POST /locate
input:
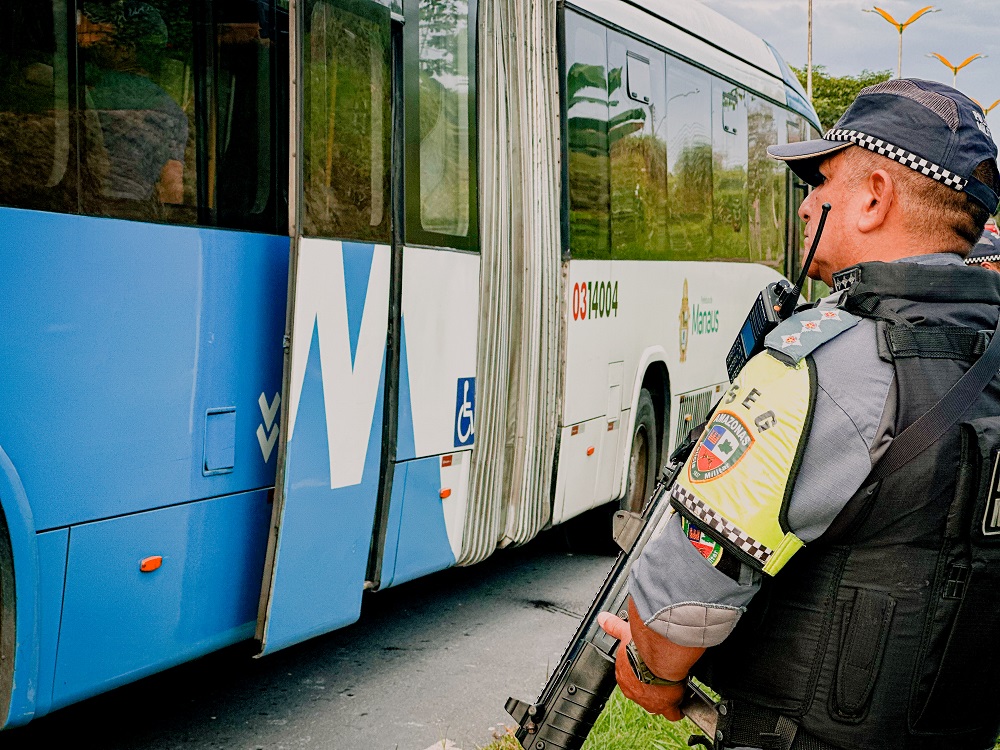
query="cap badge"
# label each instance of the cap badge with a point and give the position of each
(981, 124)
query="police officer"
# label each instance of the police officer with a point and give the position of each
(986, 252)
(833, 565)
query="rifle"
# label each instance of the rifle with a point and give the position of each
(579, 688)
(584, 679)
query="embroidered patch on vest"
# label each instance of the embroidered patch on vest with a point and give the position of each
(727, 529)
(806, 331)
(725, 443)
(991, 519)
(846, 279)
(707, 547)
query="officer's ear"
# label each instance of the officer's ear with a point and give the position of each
(878, 196)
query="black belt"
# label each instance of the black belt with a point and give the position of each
(746, 725)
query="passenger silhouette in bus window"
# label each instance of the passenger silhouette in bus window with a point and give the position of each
(143, 129)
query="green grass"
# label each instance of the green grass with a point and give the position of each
(624, 726)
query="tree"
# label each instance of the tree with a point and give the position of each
(832, 95)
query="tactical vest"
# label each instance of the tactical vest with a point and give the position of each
(884, 634)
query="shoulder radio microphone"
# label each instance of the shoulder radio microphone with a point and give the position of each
(774, 304)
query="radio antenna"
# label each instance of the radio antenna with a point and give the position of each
(792, 297)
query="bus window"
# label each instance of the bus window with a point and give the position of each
(586, 94)
(729, 172)
(689, 158)
(796, 128)
(638, 151)
(37, 161)
(244, 173)
(347, 115)
(138, 110)
(766, 186)
(444, 117)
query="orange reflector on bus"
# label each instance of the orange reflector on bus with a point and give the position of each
(446, 460)
(149, 564)
(590, 451)
(611, 426)
(445, 493)
(574, 429)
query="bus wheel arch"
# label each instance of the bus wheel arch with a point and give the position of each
(649, 432)
(18, 624)
(8, 618)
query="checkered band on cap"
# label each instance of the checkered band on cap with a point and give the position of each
(982, 259)
(901, 155)
(730, 531)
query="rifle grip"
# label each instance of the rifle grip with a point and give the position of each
(580, 699)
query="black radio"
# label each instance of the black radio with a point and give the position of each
(776, 303)
(763, 318)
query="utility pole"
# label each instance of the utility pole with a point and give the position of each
(809, 56)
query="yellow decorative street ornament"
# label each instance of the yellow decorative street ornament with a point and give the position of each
(900, 27)
(955, 68)
(986, 110)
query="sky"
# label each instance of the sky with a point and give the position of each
(847, 40)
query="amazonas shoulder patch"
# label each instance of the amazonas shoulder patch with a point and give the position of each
(726, 442)
(735, 483)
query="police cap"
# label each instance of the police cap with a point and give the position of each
(932, 128)
(987, 250)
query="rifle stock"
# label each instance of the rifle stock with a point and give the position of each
(584, 679)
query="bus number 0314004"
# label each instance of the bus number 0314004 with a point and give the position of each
(595, 299)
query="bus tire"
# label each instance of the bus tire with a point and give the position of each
(644, 456)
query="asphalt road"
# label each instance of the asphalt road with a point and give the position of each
(430, 663)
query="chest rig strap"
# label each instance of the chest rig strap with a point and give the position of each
(748, 725)
(929, 427)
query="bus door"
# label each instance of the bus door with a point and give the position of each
(329, 435)
(425, 505)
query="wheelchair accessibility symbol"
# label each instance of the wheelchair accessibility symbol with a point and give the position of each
(465, 410)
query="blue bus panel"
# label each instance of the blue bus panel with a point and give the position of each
(120, 623)
(120, 338)
(143, 366)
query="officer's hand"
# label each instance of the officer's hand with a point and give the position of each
(656, 699)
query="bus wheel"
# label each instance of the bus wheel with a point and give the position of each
(644, 457)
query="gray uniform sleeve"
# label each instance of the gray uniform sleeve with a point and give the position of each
(681, 595)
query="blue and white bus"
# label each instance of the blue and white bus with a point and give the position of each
(306, 298)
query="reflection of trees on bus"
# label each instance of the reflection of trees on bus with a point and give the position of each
(729, 173)
(587, 130)
(678, 173)
(619, 152)
(765, 187)
(444, 117)
(346, 109)
(690, 198)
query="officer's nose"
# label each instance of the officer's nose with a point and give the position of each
(803, 211)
